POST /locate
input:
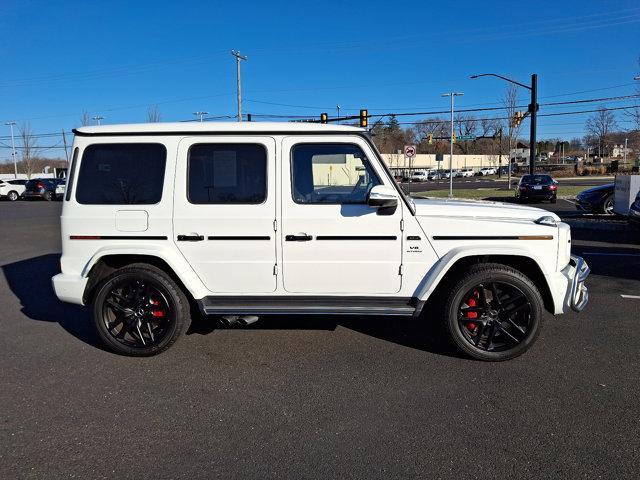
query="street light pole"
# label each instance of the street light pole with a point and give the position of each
(533, 111)
(97, 118)
(338, 108)
(13, 150)
(452, 95)
(239, 57)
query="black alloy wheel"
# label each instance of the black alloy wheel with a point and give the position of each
(494, 312)
(494, 316)
(607, 205)
(140, 311)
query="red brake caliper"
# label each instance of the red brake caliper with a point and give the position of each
(472, 302)
(156, 313)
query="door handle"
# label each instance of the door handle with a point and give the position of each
(301, 237)
(190, 238)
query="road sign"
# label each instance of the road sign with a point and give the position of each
(410, 151)
(464, 138)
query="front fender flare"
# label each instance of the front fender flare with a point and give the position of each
(439, 269)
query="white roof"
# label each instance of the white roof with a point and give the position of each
(214, 127)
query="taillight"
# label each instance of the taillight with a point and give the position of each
(553, 187)
(523, 187)
(40, 186)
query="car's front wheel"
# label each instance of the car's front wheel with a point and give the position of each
(140, 311)
(12, 196)
(607, 205)
(493, 313)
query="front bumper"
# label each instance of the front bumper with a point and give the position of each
(577, 295)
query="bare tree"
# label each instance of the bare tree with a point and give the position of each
(465, 125)
(85, 118)
(153, 114)
(634, 112)
(600, 126)
(510, 102)
(29, 149)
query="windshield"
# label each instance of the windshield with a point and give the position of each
(536, 180)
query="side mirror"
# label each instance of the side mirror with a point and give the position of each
(382, 196)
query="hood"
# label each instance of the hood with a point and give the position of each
(440, 207)
(608, 188)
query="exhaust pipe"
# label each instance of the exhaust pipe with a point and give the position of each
(244, 320)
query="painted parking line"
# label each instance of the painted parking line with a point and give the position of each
(631, 297)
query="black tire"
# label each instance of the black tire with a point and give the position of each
(12, 196)
(173, 298)
(554, 200)
(515, 342)
(48, 196)
(607, 205)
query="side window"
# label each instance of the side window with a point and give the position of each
(222, 173)
(121, 174)
(331, 174)
(72, 174)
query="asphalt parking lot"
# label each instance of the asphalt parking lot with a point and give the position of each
(313, 397)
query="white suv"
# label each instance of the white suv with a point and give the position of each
(12, 189)
(246, 219)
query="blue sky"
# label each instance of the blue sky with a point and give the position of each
(117, 58)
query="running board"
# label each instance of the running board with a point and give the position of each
(299, 305)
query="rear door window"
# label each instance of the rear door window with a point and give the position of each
(121, 174)
(224, 173)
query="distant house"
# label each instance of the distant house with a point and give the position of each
(520, 153)
(618, 151)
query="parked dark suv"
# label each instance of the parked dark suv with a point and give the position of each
(44, 188)
(537, 187)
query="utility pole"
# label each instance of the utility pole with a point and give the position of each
(500, 157)
(239, 57)
(64, 141)
(626, 140)
(452, 95)
(13, 149)
(533, 111)
(97, 118)
(201, 115)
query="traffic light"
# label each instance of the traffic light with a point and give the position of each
(453, 137)
(430, 139)
(324, 118)
(518, 117)
(364, 118)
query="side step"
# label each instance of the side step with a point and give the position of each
(301, 305)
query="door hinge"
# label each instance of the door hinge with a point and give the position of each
(400, 270)
(275, 269)
(402, 225)
(275, 225)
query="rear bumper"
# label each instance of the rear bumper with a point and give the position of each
(69, 288)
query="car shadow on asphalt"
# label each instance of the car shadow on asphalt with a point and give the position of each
(421, 334)
(30, 282)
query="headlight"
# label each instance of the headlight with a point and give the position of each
(546, 220)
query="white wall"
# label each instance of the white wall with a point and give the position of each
(395, 160)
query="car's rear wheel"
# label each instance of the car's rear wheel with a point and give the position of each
(48, 196)
(493, 313)
(12, 196)
(140, 311)
(607, 205)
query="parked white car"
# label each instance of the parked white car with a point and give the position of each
(466, 173)
(487, 171)
(60, 188)
(419, 176)
(246, 219)
(12, 189)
